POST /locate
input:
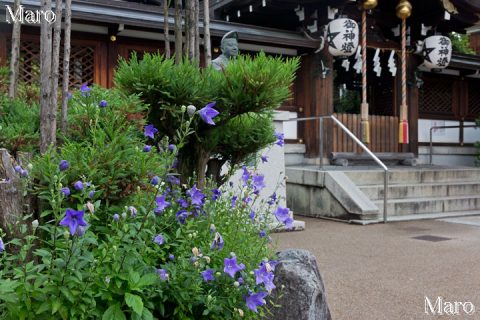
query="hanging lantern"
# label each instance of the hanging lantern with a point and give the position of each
(342, 37)
(437, 51)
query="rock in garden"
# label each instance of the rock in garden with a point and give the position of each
(300, 291)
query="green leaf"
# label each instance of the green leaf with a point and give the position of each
(114, 313)
(133, 278)
(135, 302)
(56, 305)
(148, 280)
(147, 315)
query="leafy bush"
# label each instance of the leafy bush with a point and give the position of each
(142, 245)
(19, 125)
(249, 89)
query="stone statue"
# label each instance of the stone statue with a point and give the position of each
(229, 47)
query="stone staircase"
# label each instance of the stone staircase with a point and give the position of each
(423, 192)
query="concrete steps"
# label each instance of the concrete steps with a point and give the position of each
(446, 191)
(294, 154)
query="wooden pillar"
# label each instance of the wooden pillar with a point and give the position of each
(3, 49)
(316, 97)
(412, 98)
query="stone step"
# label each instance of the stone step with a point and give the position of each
(419, 216)
(294, 153)
(430, 190)
(370, 177)
(397, 207)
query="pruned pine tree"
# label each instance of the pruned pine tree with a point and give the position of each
(66, 64)
(178, 32)
(206, 33)
(15, 55)
(166, 27)
(47, 114)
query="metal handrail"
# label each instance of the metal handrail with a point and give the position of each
(358, 142)
(444, 127)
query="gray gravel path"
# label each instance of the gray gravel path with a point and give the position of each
(383, 272)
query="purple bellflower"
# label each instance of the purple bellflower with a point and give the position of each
(217, 242)
(208, 275)
(150, 131)
(2, 246)
(207, 113)
(103, 104)
(196, 196)
(161, 204)
(73, 219)
(147, 148)
(63, 165)
(264, 159)
(158, 239)
(283, 216)
(245, 176)
(78, 185)
(65, 191)
(255, 300)
(280, 139)
(231, 267)
(258, 183)
(155, 180)
(162, 273)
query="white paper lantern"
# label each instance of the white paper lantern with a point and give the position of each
(437, 51)
(342, 37)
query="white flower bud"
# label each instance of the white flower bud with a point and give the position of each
(240, 312)
(30, 166)
(191, 110)
(184, 108)
(207, 259)
(236, 284)
(35, 224)
(66, 234)
(195, 251)
(124, 215)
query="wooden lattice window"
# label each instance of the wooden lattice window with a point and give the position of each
(474, 98)
(436, 96)
(82, 64)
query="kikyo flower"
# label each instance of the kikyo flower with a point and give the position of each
(208, 275)
(255, 300)
(182, 202)
(207, 113)
(155, 180)
(182, 216)
(245, 176)
(216, 194)
(78, 185)
(147, 148)
(63, 165)
(18, 169)
(116, 217)
(196, 196)
(171, 147)
(161, 204)
(91, 194)
(85, 89)
(265, 275)
(258, 183)
(282, 215)
(264, 159)
(234, 201)
(173, 180)
(217, 242)
(133, 211)
(65, 191)
(103, 104)
(2, 246)
(150, 131)
(252, 216)
(262, 233)
(162, 273)
(158, 239)
(73, 219)
(231, 267)
(280, 139)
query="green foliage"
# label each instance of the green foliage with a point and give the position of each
(19, 125)
(246, 87)
(110, 268)
(461, 43)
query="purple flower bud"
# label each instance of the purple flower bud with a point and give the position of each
(103, 104)
(133, 211)
(2, 246)
(24, 173)
(171, 147)
(18, 169)
(171, 257)
(116, 217)
(91, 194)
(65, 191)
(69, 95)
(263, 233)
(147, 148)
(63, 165)
(158, 239)
(155, 180)
(78, 185)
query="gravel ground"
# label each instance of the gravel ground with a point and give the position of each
(382, 272)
